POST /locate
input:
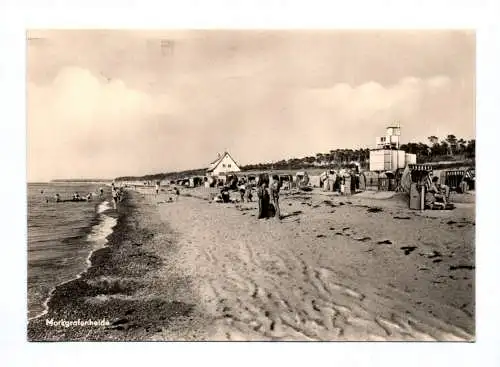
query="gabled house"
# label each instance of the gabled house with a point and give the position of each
(223, 164)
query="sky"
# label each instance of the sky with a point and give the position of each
(102, 104)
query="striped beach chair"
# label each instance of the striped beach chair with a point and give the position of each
(454, 178)
(421, 174)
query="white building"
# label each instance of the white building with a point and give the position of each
(391, 138)
(223, 164)
(387, 156)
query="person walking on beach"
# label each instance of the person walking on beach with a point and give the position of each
(114, 193)
(242, 192)
(275, 192)
(157, 188)
(177, 193)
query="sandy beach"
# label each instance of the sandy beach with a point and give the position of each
(336, 268)
(362, 267)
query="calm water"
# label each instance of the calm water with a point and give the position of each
(61, 236)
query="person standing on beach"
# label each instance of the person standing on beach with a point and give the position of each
(248, 193)
(263, 196)
(157, 188)
(275, 193)
(177, 193)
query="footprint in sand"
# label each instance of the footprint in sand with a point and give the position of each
(384, 242)
(363, 239)
(408, 249)
(467, 267)
(434, 255)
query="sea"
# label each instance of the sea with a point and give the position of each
(62, 236)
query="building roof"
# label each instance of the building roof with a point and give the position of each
(217, 160)
(215, 163)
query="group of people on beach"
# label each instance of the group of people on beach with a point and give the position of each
(157, 190)
(268, 194)
(245, 190)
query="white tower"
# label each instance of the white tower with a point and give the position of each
(391, 138)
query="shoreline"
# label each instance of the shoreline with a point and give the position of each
(116, 288)
(83, 235)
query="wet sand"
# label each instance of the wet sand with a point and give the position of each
(335, 268)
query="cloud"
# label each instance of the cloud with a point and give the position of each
(358, 103)
(83, 124)
(345, 115)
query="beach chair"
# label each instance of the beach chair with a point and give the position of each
(454, 179)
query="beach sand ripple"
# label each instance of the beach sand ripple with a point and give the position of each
(299, 280)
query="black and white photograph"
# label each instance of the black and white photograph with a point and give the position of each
(251, 185)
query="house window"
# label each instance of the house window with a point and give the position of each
(223, 165)
(229, 165)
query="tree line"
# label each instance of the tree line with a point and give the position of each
(164, 176)
(449, 148)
